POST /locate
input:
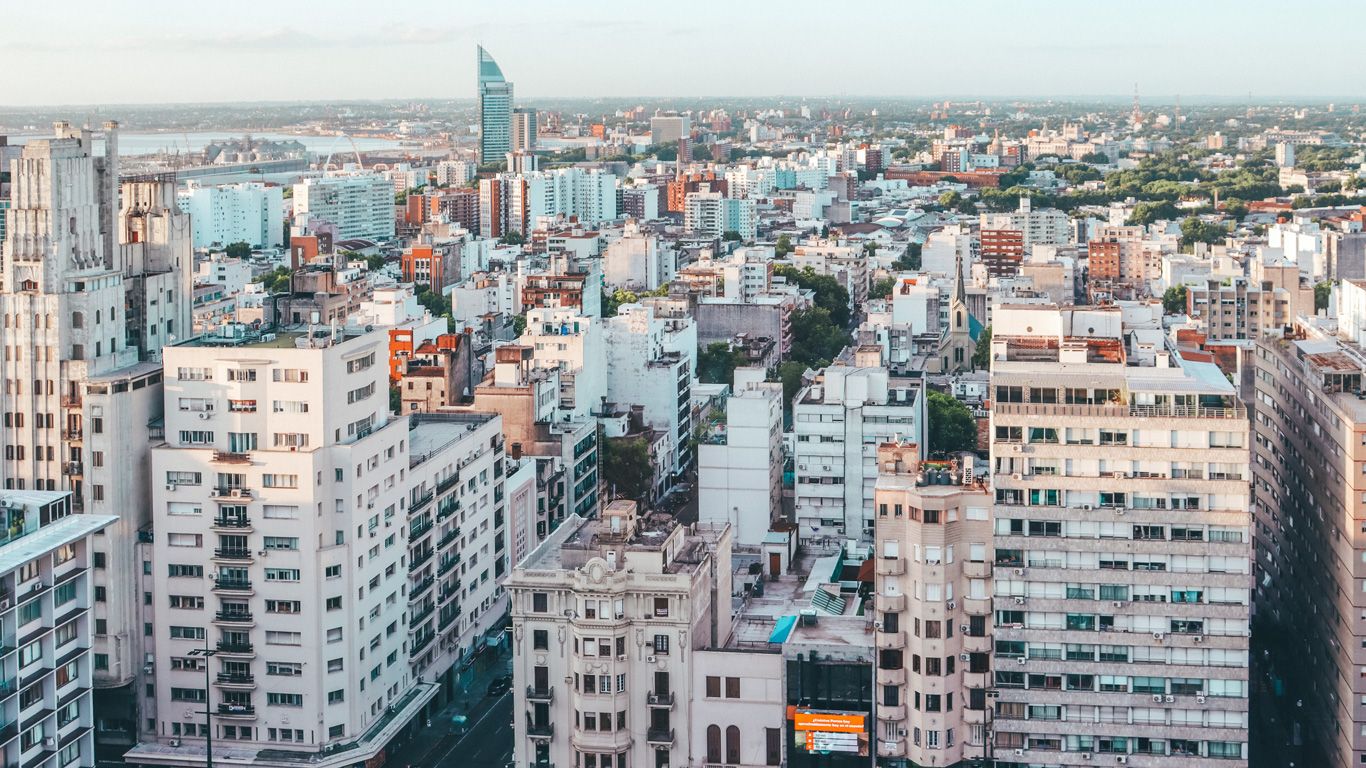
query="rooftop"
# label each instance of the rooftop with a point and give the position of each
(291, 337)
(430, 433)
(783, 614)
(22, 549)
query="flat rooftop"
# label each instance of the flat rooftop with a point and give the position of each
(430, 433)
(773, 620)
(290, 337)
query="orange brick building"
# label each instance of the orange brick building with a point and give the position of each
(1002, 251)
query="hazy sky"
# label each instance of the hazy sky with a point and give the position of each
(142, 51)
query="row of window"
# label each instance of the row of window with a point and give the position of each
(1157, 686)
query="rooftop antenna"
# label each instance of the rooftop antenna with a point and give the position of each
(1137, 113)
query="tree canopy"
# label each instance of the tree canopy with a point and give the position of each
(830, 295)
(783, 247)
(816, 337)
(1322, 292)
(716, 363)
(952, 427)
(238, 250)
(276, 281)
(981, 356)
(626, 466)
(1196, 230)
(1174, 300)
(882, 289)
(910, 260)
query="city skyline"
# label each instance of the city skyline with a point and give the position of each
(1211, 51)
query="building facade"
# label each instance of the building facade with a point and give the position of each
(493, 102)
(359, 205)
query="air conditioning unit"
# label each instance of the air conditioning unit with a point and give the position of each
(1019, 753)
(621, 657)
(1169, 699)
(175, 742)
(1159, 635)
(1019, 601)
(170, 486)
(1119, 475)
(877, 625)
(1017, 449)
(1086, 507)
(1085, 755)
(1016, 476)
(964, 657)
(1122, 759)
(49, 742)
(236, 493)
(901, 732)
(1021, 659)
(963, 628)
(1157, 698)
(1019, 571)
(1199, 638)
(4, 605)
(1118, 603)
(205, 415)
(148, 669)
(951, 605)
(650, 659)
(1199, 699)
(1119, 511)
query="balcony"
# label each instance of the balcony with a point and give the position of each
(415, 591)
(73, 468)
(450, 561)
(230, 492)
(891, 603)
(231, 646)
(236, 710)
(891, 676)
(421, 615)
(232, 553)
(660, 737)
(891, 640)
(541, 731)
(233, 617)
(890, 566)
(445, 621)
(660, 700)
(419, 527)
(72, 433)
(231, 584)
(448, 539)
(236, 678)
(421, 643)
(231, 457)
(447, 482)
(419, 560)
(236, 522)
(895, 713)
(540, 695)
(420, 502)
(977, 570)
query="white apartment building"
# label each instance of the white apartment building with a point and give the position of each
(606, 617)
(1047, 226)
(46, 569)
(839, 420)
(284, 540)
(933, 599)
(1123, 545)
(358, 204)
(96, 279)
(515, 202)
(669, 128)
(223, 214)
(651, 364)
(455, 173)
(574, 343)
(712, 214)
(740, 461)
(636, 261)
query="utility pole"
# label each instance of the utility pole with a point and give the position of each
(206, 653)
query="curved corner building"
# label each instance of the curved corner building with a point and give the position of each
(494, 103)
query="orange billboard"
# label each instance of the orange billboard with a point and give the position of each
(827, 722)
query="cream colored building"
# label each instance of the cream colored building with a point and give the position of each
(1122, 548)
(933, 609)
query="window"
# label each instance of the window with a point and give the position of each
(773, 739)
(732, 744)
(713, 744)
(187, 633)
(540, 639)
(284, 606)
(241, 374)
(281, 542)
(283, 638)
(539, 602)
(184, 540)
(279, 481)
(732, 687)
(282, 574)
(287, 669)
(188, 694)
(713, 687)
(661, 645)
(285, 699)
(661, 607)
(336, 697)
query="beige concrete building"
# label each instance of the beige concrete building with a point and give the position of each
(607, 615)
(933, 600)
(1310, 470)
(1122, 546)
(1251, 308)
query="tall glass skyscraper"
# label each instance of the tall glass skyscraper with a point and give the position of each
(495, 110)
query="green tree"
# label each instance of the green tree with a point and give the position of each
(275, 281)
(731, 236)
(790, 374)
(950, 199)
(816, 337)
(395, 399)
(512, 238)
(981, 356)
(830, 295)
(374, 262)
(1095, 158)
(882, 289)
(1174, 300)
(910, 260)
(436, 303)
(1196, 230)
(716, 363)
(518, 325)
(952, 427)
(238, 250)
(626, 465)
(700, 152)
(1321, 293)
(783, 247)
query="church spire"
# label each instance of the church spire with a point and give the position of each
(960, 293)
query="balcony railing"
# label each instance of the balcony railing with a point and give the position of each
(229, 646)
(231, 521)
(419, 559)
(233, 616)
(660, 700)
(419, 527)
(236, 678)
(231, 582)
(541, 695)
(232, 553)
(419, 616)
(231, 492)
(660, 736)
(240, 710)
(541, 730)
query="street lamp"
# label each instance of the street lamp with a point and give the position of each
(206, 653)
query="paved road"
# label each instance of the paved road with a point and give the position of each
(486, 744)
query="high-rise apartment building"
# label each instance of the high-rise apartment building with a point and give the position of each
(1309, 424)
(250, 212)
(740, 461)
(337, 561)
(839, 420)
(1122, 543)
(669, 128)
(360, 205)
(932, 593)
(517, 202)
(46, 567)
(96, 279)
(493, 102)
(523, 129)
(712, 214)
